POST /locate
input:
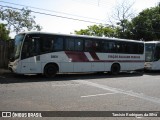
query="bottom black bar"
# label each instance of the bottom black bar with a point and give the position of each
(79, 113)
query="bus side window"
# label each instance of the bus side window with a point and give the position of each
(47, 44)
(25, 50)
(78, 45)
(58, 44)
(141, 48)
(97, 46)
(118, 47)
(131, 48)
(121, 47)
(104, 46)
(69, 45)
(34, 47)
(157, 53)
(112, 47)
(31, 47)
(88, 45)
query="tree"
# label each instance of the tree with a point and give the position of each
(146, 25)
(19, 21)
(125, 31)
(122, 14)
(4, 33)
(97, 30)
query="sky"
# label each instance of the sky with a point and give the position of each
(89, 11)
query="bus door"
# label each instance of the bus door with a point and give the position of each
(31, 60)
(157, 57)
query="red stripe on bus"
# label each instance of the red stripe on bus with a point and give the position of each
(94, 56)
(77, 56)
(118, 61)
(81, 57)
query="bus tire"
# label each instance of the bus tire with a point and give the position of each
(115, 69)
(50, 70)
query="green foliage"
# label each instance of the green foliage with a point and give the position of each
(147, 24)
(97, 30)
(4, 33)
(124, 29)
(19, 21)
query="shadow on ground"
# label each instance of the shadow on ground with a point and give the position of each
(9, 78)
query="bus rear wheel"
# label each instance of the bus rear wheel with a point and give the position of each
(50, 70)
(115, 69)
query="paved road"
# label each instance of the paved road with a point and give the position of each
(81, 92)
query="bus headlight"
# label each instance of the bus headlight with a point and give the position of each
(148, 65)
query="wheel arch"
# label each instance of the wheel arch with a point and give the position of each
(51, 63)
(117, 63)
(113, 68)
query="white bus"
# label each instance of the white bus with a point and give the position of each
(49, 54)
(152, 55)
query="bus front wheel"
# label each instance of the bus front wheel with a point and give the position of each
(50, 70)
(115, 69)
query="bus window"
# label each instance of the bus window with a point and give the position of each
(93, 45)
(79, 45)
(112, 47)
(157, 53)
(31, 47)
(69, 45)
(51, 44)
(47, 44)
(141, 49)
(97, 46)
(58, 44)
(104, 46)
(88, 45)
(119, 47)
(138, 48)
(129, 48)
(34, 47)
(149, 50)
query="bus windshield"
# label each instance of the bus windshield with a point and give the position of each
(17, 45)
(149, 52)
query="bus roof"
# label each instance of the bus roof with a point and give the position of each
(83, 36)
(152, 42)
